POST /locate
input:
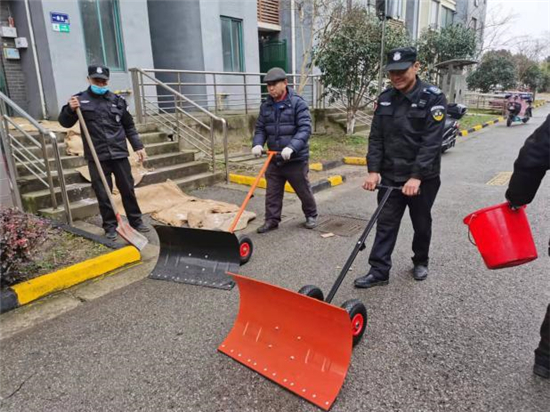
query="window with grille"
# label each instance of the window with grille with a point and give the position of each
(102, 34)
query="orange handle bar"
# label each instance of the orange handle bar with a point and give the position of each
(270, 155)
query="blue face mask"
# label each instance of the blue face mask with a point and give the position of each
(99, 90)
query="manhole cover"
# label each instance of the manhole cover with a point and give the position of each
(341, 225)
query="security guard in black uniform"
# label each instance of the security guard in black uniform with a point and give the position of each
(110, 124)
(404, 150)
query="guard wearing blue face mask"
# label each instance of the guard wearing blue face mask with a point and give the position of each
(110, 124)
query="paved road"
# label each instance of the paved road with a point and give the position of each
(462, 340)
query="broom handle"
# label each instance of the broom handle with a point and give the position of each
(270, 155)
(96, 159)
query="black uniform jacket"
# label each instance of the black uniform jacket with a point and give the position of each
(530, 167)
(109, 124)
(407, 132)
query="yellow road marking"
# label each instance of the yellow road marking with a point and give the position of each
(501, 179)
(361, 161)
(335, 180)
(62, 279)
(318, 167)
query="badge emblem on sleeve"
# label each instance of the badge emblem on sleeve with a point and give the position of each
(438, 113)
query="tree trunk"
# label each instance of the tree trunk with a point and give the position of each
(350, 126)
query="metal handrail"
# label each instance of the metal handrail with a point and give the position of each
(10, 142)
(141, 104)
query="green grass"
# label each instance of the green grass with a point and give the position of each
(470, 121)
(335, 147)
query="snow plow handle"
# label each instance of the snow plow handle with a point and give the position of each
(359, 245)
(270, 155)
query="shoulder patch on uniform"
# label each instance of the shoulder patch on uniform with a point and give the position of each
(438, 113)
(434, 90)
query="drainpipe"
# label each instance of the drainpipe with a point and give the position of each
(36, 65)
(293, 37)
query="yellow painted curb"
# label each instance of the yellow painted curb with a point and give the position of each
(62, 279)
(490, 122)
(501, 119)
(249, 181)
(464, 132)
(335, 180)
(318, 167)
(361, 161)
(477, 127)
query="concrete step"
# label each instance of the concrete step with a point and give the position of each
(73, 162)
(29, 183)
(152, 149)
(40, 199)
(84, 208)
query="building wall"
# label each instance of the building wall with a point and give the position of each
(65, 66)
(466, 10)
(210, 15)
(13, 69)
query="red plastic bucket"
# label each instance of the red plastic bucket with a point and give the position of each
(502, 235)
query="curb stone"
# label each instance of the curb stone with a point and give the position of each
(316, 186)
(33, 289)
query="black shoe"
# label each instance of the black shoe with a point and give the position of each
(542, 366)
(368, 281)
(142, 228)
(420, 272)
(267, 226)
(111, 234)
(311, 222)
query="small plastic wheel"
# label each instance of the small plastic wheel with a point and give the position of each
(245, 249)
(312, 291)
(508, 122)
(358, 315)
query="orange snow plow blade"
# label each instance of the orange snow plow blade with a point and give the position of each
(298, 342)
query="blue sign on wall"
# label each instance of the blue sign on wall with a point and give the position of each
(59, 18)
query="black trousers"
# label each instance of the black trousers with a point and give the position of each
(122, 172)
(544, 346)
(296, 174)
(387, 227)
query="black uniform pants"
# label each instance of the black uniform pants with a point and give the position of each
(296, 174)
(387, 227)
(122, 171)
(544, 346)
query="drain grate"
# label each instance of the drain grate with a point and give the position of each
(341, 225)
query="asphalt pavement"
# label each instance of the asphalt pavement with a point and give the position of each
(462, 340)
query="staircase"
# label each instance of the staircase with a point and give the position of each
(164, 158)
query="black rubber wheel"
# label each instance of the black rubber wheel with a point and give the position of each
(358, 315)
(508, 122)
(245, 249)
(312, 291)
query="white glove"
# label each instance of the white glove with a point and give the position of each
(286, 153)
(257, 150)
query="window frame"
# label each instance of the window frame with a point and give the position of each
(117, 32)
(435, 23)
(241, 57)
(446, 11)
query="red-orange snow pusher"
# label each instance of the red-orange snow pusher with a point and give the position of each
(203, 257)
(299, 340)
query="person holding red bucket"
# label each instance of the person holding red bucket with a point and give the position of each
(529, 169)
(502, 233)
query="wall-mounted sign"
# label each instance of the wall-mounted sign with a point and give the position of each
(10, 32)
(60, 22)
(21, 43)
(11, 54)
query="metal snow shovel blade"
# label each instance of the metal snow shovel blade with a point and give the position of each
(124, 229)
(203, 257)
(298, 342)
(196, 256)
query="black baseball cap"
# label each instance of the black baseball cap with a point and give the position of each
(98, 72)
(275, 74)
(401, 58)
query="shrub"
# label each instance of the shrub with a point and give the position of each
(20, 232)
